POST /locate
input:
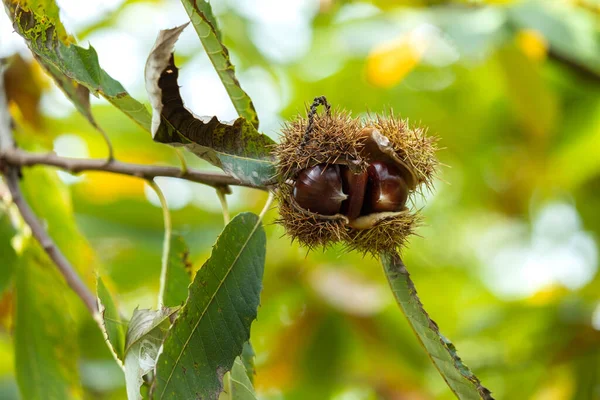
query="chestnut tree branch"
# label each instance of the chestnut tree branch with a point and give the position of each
(11, 178)
(21, 158)
(39, 233)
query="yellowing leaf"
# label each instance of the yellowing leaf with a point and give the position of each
(390, 62)
(46, 349)
(532, 44)
(24, 82)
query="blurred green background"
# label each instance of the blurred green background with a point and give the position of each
(506, 262)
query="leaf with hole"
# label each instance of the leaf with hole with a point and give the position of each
(237, 148)
(211, 329)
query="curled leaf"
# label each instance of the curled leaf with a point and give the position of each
(237, 148)
(145, 334)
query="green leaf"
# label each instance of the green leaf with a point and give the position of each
(45, 338)
(178, 276)
(112, 325)
(50, 199)
(205, 24)
(248, 360)
(442, 352)
(211, 329)
(50, 24)
(145, 334)
(9, 258)
(70, 65)
(241, 386)
(238, 148)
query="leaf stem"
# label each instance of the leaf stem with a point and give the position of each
(184, 167)
(111, 152)
(166, 243)
(223, 199)
(267, 206)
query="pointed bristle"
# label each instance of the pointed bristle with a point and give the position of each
(333, 138)
(307, 229)
(337, 138)
(389, 234)
(412, 145)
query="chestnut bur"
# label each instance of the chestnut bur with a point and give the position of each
(347, 180)
(330, 189)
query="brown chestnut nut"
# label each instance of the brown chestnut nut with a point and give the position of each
(319, 189)
(386, 189)
(355, 185)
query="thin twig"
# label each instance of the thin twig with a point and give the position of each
(166, 243)
(40, 234)
(21, 158)
(11, 178)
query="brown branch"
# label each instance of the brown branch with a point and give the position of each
(11, 178)
(12, 159)
(39, 233)
(21, 158)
